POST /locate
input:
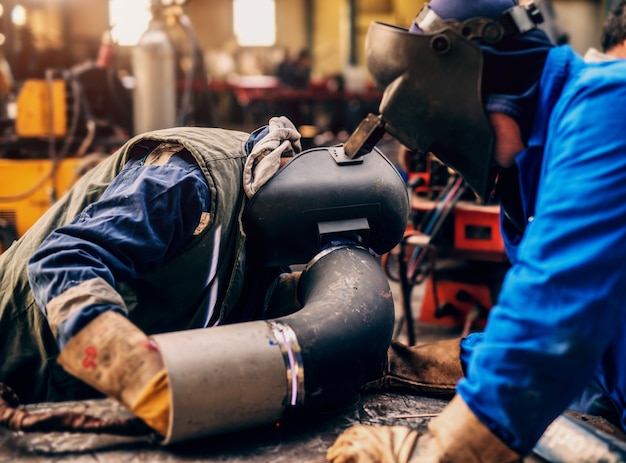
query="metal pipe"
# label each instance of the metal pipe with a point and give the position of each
(345, 326)
(243, 375)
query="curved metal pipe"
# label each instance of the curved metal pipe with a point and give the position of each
(345, 326)
(249, 374)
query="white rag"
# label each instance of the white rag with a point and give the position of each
(283, 140)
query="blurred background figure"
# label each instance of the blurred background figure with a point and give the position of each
(295, 73)
(613, 38)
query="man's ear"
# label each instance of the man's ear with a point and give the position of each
(508, 139)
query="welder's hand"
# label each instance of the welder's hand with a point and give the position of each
(455, 436)
(114, 356)
(283, 140)
(373, 444)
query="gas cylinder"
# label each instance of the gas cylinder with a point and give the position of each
(155, 86)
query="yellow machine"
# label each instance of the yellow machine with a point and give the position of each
(27, 189)
(41, 109)
(62, 126)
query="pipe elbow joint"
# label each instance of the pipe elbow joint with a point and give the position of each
(248, 374)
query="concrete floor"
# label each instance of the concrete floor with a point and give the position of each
(304, 439)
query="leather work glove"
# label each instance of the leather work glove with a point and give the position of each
(283, 140)
(455, 436)
(114, 356)
(373, 444)
(432, 368)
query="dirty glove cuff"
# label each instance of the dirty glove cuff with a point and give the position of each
(153, 403)
(114, 356)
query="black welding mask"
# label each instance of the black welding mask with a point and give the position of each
(322, 198)
(432, 83)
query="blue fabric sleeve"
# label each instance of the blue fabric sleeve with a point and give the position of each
(255, 137)
(142, 220)
(562, 302)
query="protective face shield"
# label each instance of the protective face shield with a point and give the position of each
(320, 196)
(432, 86)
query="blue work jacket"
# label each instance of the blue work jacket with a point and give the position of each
(147, 216)
(560, 319)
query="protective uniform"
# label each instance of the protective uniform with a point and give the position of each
(177, 198)
(559, 318)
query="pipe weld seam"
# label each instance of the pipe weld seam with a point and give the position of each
(294, 368)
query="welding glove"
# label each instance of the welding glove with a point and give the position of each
(432, 369)
(282, 140)
(455, 436)
(373, 444)
(115, 357)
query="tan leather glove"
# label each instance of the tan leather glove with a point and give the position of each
(114, 356)
(373, 444)
(456, 436)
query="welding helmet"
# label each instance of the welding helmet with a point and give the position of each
(320, 197)
(458, 61)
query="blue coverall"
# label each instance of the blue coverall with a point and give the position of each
(144, 218)
(560, 319)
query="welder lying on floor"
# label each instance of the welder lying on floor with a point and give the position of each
(555, 126)
(149, 241)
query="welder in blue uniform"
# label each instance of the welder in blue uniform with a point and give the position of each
(480, 85)
(149, 241)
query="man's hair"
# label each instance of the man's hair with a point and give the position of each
(614, 28)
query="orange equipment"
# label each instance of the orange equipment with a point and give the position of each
(448, 230)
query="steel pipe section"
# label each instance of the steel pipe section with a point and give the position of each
(243, 375)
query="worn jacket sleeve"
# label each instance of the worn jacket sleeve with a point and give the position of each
(561, 309)
(142, 220)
